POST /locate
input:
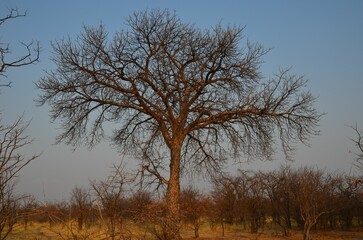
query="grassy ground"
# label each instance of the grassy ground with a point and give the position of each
(38, 231)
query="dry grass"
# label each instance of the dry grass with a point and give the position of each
(237, 233)
(38, 231)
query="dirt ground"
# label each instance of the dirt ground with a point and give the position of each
(326, 235)
(38, 231)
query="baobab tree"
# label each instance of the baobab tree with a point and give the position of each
(177, 95)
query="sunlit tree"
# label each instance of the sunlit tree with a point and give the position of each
(177, 95)
(110, 201)
(311, 189)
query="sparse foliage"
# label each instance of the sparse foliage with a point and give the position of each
(179, 97)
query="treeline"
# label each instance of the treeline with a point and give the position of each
(286, 199)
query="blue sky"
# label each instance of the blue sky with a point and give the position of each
(321, 40)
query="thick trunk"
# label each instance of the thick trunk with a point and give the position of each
(172, 196)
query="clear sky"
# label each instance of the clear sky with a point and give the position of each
(322, 40)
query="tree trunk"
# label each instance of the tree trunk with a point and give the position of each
(196, 231)
(254, 225)
(196, 224)
(172, 196)
(307, 227)
(80, 222)
(222, 224)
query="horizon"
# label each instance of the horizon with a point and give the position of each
(321, 41)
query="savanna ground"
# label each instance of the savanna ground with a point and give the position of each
(43, 231)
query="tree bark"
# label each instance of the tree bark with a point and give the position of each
(172, 195)
(307, 227)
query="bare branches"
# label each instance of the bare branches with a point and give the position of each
(195, 96)
(110, 194)
(12, 13)
(13, 139)
(32, 49)
(184, 79)
(358, 143)
(31, 56)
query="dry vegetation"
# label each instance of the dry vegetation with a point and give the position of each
(250, 205)
(42, 231)
(187, 119)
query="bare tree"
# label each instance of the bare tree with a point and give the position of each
(227, 194)
(28, 209)
(179, 96)
(13, 138)
(311, 193)
(110, 200)
(81, 204)
(193, 208)
(255, 200)
(138, 204)
(348, 201)
(278, 193)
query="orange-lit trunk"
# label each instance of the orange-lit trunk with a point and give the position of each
(173, 194)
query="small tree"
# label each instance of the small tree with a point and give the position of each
(179, 96)
(13, 137)
(138, 204)
(110, 200)
(311, 193)
(12, 141)
(279, 196)
(81, 204)
(348, 201)
(29, 206)
(226, 201)
(255, 200)
(193, 208)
